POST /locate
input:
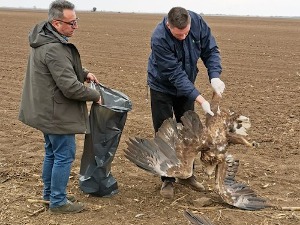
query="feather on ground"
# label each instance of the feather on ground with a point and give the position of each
(196, 219)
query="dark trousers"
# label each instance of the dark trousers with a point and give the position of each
(164, 106)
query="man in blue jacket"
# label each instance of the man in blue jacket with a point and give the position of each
(177, 43)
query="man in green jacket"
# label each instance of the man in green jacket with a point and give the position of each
(54, 100)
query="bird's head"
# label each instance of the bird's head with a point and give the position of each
(238, 124)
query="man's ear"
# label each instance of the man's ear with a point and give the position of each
(55, 23)
(168, 25)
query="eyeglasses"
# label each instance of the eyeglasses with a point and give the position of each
(72, 23)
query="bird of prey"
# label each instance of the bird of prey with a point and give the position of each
(172, 151)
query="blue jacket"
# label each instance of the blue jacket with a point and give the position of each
(172, 64)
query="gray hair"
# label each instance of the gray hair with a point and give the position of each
(57, 7)
(179, 17)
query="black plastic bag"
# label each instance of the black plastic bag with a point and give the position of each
(107, 122)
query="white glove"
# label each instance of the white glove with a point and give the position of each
(206, 108)
(218, 86)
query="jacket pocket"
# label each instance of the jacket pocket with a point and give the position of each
(67, 110)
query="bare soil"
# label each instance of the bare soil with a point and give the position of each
(261, 69)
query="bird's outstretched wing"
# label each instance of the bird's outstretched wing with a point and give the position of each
(196, 220)
(235, 193)
(173, 150)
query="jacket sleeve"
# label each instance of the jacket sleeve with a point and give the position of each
(59, 62)
(169, 68)
(85, 72)
(210, 54)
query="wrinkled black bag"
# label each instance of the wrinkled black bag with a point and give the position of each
(107, 122)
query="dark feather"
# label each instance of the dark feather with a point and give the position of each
(196, 220)
(192, 123)
(147, 155)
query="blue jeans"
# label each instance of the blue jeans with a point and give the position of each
(59, 155)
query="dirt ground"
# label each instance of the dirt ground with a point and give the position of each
(261, 70)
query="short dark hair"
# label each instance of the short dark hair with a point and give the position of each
(179, 17)
(57, 7)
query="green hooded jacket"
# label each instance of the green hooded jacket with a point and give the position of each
(54, 95)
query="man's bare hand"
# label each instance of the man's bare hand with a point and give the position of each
(91, 77)
(99, 101)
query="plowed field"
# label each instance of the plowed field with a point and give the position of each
(261, 70)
